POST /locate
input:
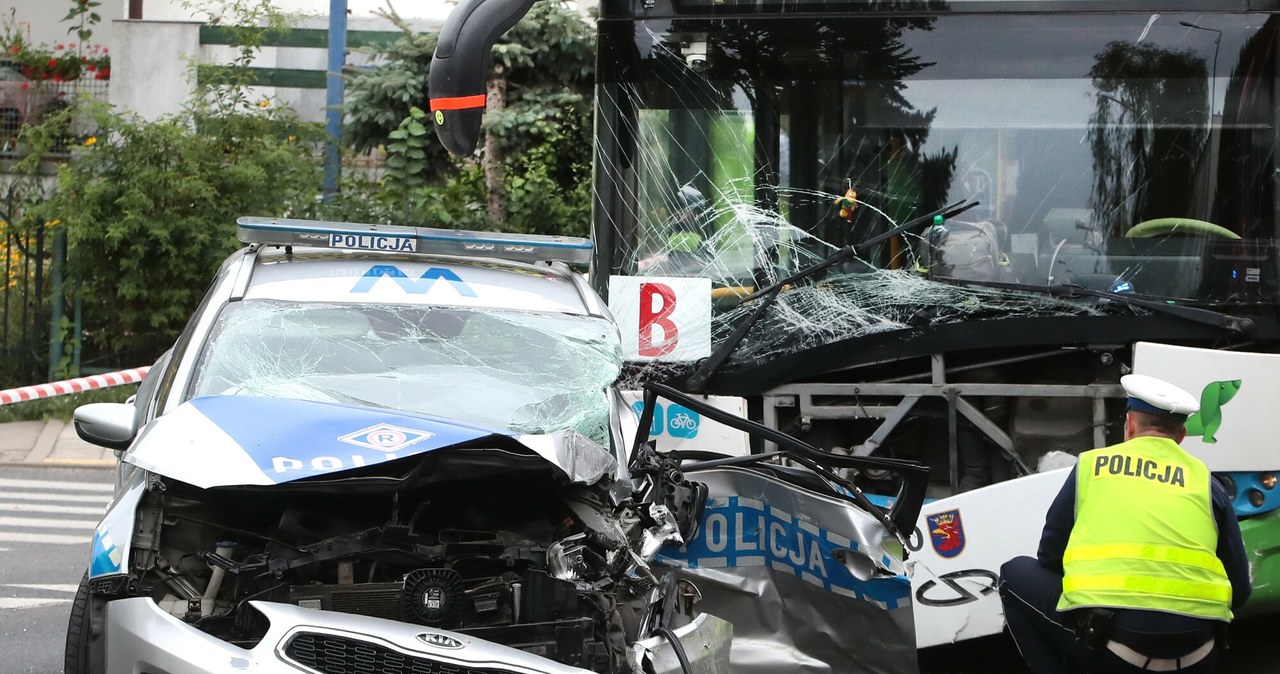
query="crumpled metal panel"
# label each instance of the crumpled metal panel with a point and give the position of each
(580, 457)
(706, 641)
(765, 558)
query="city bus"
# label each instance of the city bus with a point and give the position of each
(937, 230)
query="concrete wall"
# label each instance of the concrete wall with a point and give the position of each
(172, 10)
(150, 65)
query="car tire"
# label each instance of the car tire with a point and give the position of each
(84, 642)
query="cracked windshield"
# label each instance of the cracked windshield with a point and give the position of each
(509, 371)
(1134, 158)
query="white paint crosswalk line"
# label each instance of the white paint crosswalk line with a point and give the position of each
(54, 496)
(47, 508)
(37, 512)
(58, 587)
(31, 602)
(44, 522)
(105, 487)
(46, 539)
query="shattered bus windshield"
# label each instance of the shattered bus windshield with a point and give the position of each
(510, 371)
(1134, 156)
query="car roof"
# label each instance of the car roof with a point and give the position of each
(300, 274)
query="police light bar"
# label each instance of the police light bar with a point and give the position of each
(570, 250)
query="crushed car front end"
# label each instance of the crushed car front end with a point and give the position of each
(476, 552)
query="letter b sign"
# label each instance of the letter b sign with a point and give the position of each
(661, 318)
(658, 334)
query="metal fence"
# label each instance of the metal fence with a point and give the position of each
(24, 317)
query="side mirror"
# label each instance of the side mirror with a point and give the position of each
(109, 425)
(460, 66)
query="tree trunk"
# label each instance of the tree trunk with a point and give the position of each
(494, 172)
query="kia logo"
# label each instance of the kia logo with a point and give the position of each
(440, 640)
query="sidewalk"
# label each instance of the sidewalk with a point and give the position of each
(50, 443)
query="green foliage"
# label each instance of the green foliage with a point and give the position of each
(380, 98)
(544, 131)
(62, 407)
(82, 18)
(150, 207)
(549, 59)
(251, 22)
(407, 149)
(546, 198)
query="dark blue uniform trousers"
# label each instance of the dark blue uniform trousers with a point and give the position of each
(1030, 593)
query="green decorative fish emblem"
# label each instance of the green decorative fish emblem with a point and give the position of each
(1208, 420)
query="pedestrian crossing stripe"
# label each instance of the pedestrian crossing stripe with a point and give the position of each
(12, 483)
(31, 602)
(37, 602)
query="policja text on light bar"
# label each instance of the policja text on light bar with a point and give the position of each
(570, 250)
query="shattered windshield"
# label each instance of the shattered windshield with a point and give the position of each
(510, 371)
(1136, 156)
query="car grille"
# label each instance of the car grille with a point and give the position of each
(330, 654)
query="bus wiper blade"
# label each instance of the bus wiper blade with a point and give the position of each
(1209, 317)
(698, 380)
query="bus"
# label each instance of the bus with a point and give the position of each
(938, 230)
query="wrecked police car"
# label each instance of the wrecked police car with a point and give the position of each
(389, 449)
(396, 449)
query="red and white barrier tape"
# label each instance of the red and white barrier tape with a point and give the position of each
(60, 388)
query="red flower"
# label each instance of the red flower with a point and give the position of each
(57, 78)
(60, 46)
(15, 49)
(26, 85)
(91, 67)
(53, 62)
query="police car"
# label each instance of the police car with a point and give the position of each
(379, 448)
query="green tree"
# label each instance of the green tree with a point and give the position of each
(149, 207)
(535, 161)
(1148, 129)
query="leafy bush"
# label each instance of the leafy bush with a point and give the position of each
(149, 208)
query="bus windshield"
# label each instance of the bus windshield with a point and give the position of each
(1125, 153)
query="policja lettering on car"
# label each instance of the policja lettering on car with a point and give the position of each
(1119, 464)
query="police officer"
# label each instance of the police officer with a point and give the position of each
(1140, 562)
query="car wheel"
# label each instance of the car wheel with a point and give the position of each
(84, 633)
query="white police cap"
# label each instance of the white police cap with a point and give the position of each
(1159, 397)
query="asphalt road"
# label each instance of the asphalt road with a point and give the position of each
(47, 516)
(1251, 652)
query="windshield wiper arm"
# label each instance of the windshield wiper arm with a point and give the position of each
(1208, 317)
(698, 380)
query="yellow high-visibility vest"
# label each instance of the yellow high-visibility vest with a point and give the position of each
(1144, 535)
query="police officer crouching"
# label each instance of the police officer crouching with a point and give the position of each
(1140, 563)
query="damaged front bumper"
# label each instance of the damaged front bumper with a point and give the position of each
(144, 638)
